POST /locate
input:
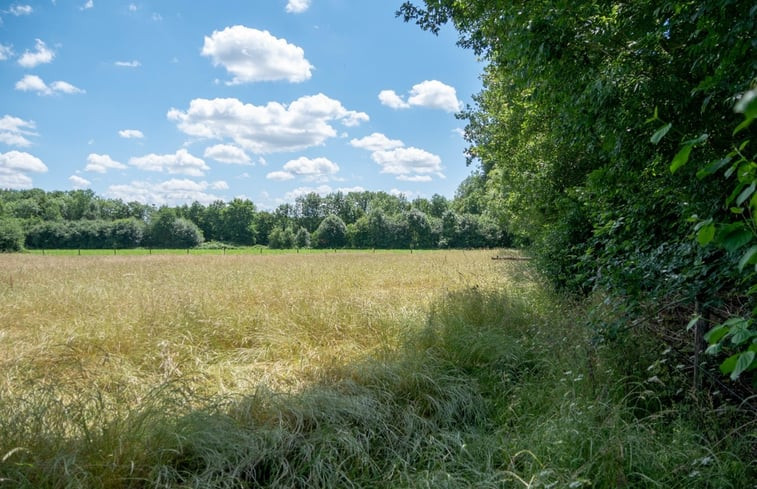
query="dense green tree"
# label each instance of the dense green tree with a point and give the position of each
(331, 233)
(302, 238)
(11, 235)
(238, 222)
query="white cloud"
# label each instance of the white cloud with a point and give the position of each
(132, 7)
(14, 131)
(415, 178)
(170, 192)
(87, 5)
(42, 55)
(391, 99)
(13, 168)
(64, 87)
(79, 182)
(279, 176)
(407, 162)
(180, 162)
(21, 9)
(376, 142)
(219, 185)
(33, 83)
(131, 134)
(5, 52)
(227, 153)
(432, 94)
(300, 191)
(297, 6)
(251, 55)
(316, 169)
(157, 17)
(128, 64)
(102, 163)
(270, 128)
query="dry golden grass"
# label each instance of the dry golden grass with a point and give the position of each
(225, 324)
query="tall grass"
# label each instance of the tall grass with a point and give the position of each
(361, 370)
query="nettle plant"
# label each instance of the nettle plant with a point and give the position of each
(736, 235)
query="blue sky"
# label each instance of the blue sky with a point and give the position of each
(172, 101)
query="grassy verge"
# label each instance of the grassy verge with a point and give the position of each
(436, 370)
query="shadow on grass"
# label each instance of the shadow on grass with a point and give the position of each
(480, 397)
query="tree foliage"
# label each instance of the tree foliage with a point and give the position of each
(584, 107)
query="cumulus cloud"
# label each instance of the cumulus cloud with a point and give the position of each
(251, 55)
(219, 185)
(408, 162)
(131, 134)
(79, 182)
(14, 166)
(33, 83)
(316, 169)
(128, 64)
(391, 99)
(432, 94)
(180, 162)
(88, 5)
(102, 163)
(15, 131)
(297, 6)
(5, 52)
(227, 153)
(41, 55)
(132, 7)
(376, 142)
(271, 128)
(171, 192)
(20, 10)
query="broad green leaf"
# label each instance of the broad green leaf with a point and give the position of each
(729, 363)
(681, 158)
(660, 133)
(706, 234)
(737, 210)
(743, 363)
(748, 257)
(735, 238)
(714, 335)
(745, 194)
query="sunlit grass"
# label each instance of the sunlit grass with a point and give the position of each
(437, 369)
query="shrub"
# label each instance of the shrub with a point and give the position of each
(11, 236)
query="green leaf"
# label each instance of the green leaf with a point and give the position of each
(734, 238)
(693, 322)
(745, 194)
(743, 363)
(748, 257)
(729, 363)
(660, 133)
(706, 234)
(713, 167)
(744, 124)
(714, 335)
(747, 104)
(681, 158)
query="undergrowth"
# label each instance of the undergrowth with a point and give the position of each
(497, 389)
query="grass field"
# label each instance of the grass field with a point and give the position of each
(360, 369)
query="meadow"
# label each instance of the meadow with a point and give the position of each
(359, 369)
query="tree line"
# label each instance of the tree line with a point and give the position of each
(613, 138)
(80, 219)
